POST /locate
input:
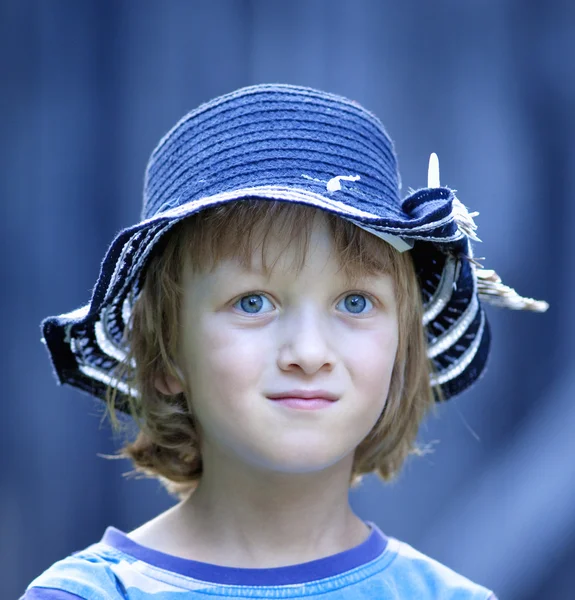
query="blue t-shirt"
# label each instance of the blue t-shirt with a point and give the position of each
(117, 568)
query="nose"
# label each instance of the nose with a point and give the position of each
(306, 342)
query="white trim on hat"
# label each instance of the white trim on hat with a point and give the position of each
(454, 333)
(443, 292)
(103, 377)
(464, 361)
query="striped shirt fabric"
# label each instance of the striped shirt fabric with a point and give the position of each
(117, 568)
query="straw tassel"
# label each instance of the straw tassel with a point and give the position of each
(491, 289)
(464, 219)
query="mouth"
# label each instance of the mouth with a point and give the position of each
(304, 399)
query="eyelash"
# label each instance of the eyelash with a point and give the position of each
(263, 295)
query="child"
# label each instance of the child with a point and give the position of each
(277, 324)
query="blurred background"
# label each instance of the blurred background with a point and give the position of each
(87, 90)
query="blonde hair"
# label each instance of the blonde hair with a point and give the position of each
(167, 444)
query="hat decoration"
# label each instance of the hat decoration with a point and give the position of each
(490, 288)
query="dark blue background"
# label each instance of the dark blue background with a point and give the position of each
(88, 87)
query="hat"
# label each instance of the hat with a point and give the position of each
(292, 144)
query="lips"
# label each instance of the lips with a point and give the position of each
(305, 395)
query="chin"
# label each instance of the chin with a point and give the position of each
(305, 459)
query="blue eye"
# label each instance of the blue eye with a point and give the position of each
(253, 303)
(356, 303)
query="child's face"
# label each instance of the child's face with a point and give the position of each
(245, 337)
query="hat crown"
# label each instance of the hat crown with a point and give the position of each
(274, 135)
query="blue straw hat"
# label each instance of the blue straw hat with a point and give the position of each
(293, 144)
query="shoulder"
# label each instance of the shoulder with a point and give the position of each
(86, 574)
(425, 577)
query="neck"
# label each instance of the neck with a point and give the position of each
(246, 518)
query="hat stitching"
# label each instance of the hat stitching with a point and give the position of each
(140, 252)
(342, 105)
(107, 379)
(106, 344)
(185, 183)
(442, 293)
(451, 373)
(460, 326)
(270, 136)
(121, 263)
(156, 173)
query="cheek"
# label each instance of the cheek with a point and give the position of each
(372, 351)
(370, 359)
(225, 360)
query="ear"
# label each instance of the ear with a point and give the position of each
(168, 385)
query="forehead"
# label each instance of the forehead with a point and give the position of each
(276, 249)
(262, 235)
(276, 254)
